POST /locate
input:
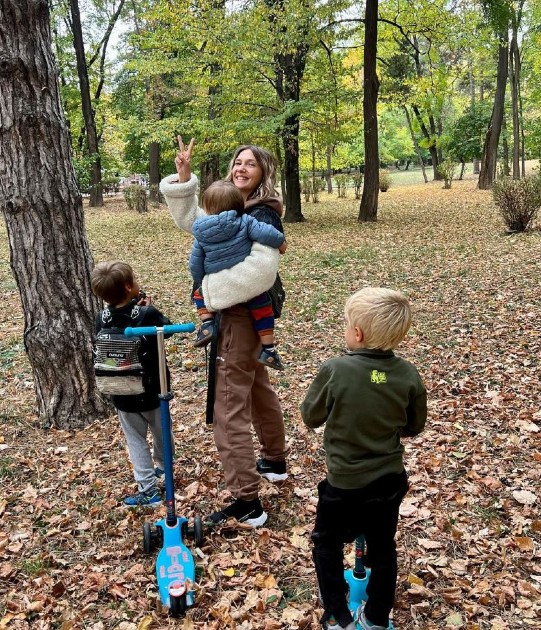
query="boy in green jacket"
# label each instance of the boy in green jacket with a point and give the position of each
(368, 399)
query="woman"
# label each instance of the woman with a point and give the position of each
(244, 395)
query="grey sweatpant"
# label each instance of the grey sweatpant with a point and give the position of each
(135, 427)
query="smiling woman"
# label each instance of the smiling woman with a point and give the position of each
(243, 394)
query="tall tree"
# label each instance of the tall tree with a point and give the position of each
(96, 190)
(49, 254)
(498, 14)
(368, 210)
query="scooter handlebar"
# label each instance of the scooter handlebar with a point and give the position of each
(170, 329)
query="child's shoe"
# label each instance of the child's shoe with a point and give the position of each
(204, 334)
(271, 359)
(332, 624)
(144, 499)
(368, 625)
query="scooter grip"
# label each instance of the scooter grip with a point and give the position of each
(170, 329)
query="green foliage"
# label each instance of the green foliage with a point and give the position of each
(518, 201)
(465, 139)
(136, 198)
(447, 169)
(82, 166)
(384, 180)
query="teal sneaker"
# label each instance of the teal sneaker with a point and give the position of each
(144, 499)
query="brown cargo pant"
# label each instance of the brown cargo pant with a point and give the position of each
(244, 397)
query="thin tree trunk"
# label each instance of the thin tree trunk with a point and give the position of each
(49, 254)
(490, 149)
(328, 173)
(154, 175)
(368, 210)
(514, 79)
(415, 144)
(96, 192)
(290, 141)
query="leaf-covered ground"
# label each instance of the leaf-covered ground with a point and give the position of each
(470, 534)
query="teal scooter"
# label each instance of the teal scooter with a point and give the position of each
(357, 581)
(175, 566)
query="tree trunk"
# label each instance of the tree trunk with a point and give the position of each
(514, 80)
(415, 144)
(154, 175)
(210, 171)
(291, 51)
(49, 254)
(431, 141)
(368, 210)
(490, 150)
(96, 192)
(290, 140)
(328, 174)
(280, 161)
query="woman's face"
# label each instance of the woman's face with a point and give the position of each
(246, 173)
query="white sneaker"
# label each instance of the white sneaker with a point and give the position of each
(361, 619)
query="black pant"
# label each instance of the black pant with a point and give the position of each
(343, 515)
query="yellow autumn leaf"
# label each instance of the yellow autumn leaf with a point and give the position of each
(145, 623)
(229, 572)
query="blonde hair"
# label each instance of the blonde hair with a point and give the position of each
(383, 315)
(221, 196)
(109, 280)
(266, 162)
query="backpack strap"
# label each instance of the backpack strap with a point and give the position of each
(136, 317)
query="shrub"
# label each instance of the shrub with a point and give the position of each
(518, 201)
(136, 198)
(306, 187)
(341, 181)
(384, 180)
(447, 170)
(357, 185)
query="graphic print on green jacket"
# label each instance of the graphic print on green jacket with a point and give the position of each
(367, 400)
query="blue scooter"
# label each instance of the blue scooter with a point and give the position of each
(175, 566)
(357, 580)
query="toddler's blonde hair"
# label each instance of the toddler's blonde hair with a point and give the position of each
(384, 316)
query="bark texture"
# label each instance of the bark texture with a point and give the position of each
(49, 253)
(487, 174)
(368, 210)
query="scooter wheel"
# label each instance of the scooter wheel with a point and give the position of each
(177, 605)
(152, 538)
(148, 539)
(198, 531)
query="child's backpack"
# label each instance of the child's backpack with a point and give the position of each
(118, 367)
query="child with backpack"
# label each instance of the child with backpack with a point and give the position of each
(128, 370)
(224, 237)
(368, 399)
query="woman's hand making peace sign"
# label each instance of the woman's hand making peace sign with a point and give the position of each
(183, 159)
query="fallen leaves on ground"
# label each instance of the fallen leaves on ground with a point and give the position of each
(470, 532)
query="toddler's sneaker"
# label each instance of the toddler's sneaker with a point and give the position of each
(144, 499)
(204, 334)
(159, 472)
(250, 512)
(368, 625)
(272, 471)
(271, 359)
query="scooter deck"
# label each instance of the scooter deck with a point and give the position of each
(175, 566)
